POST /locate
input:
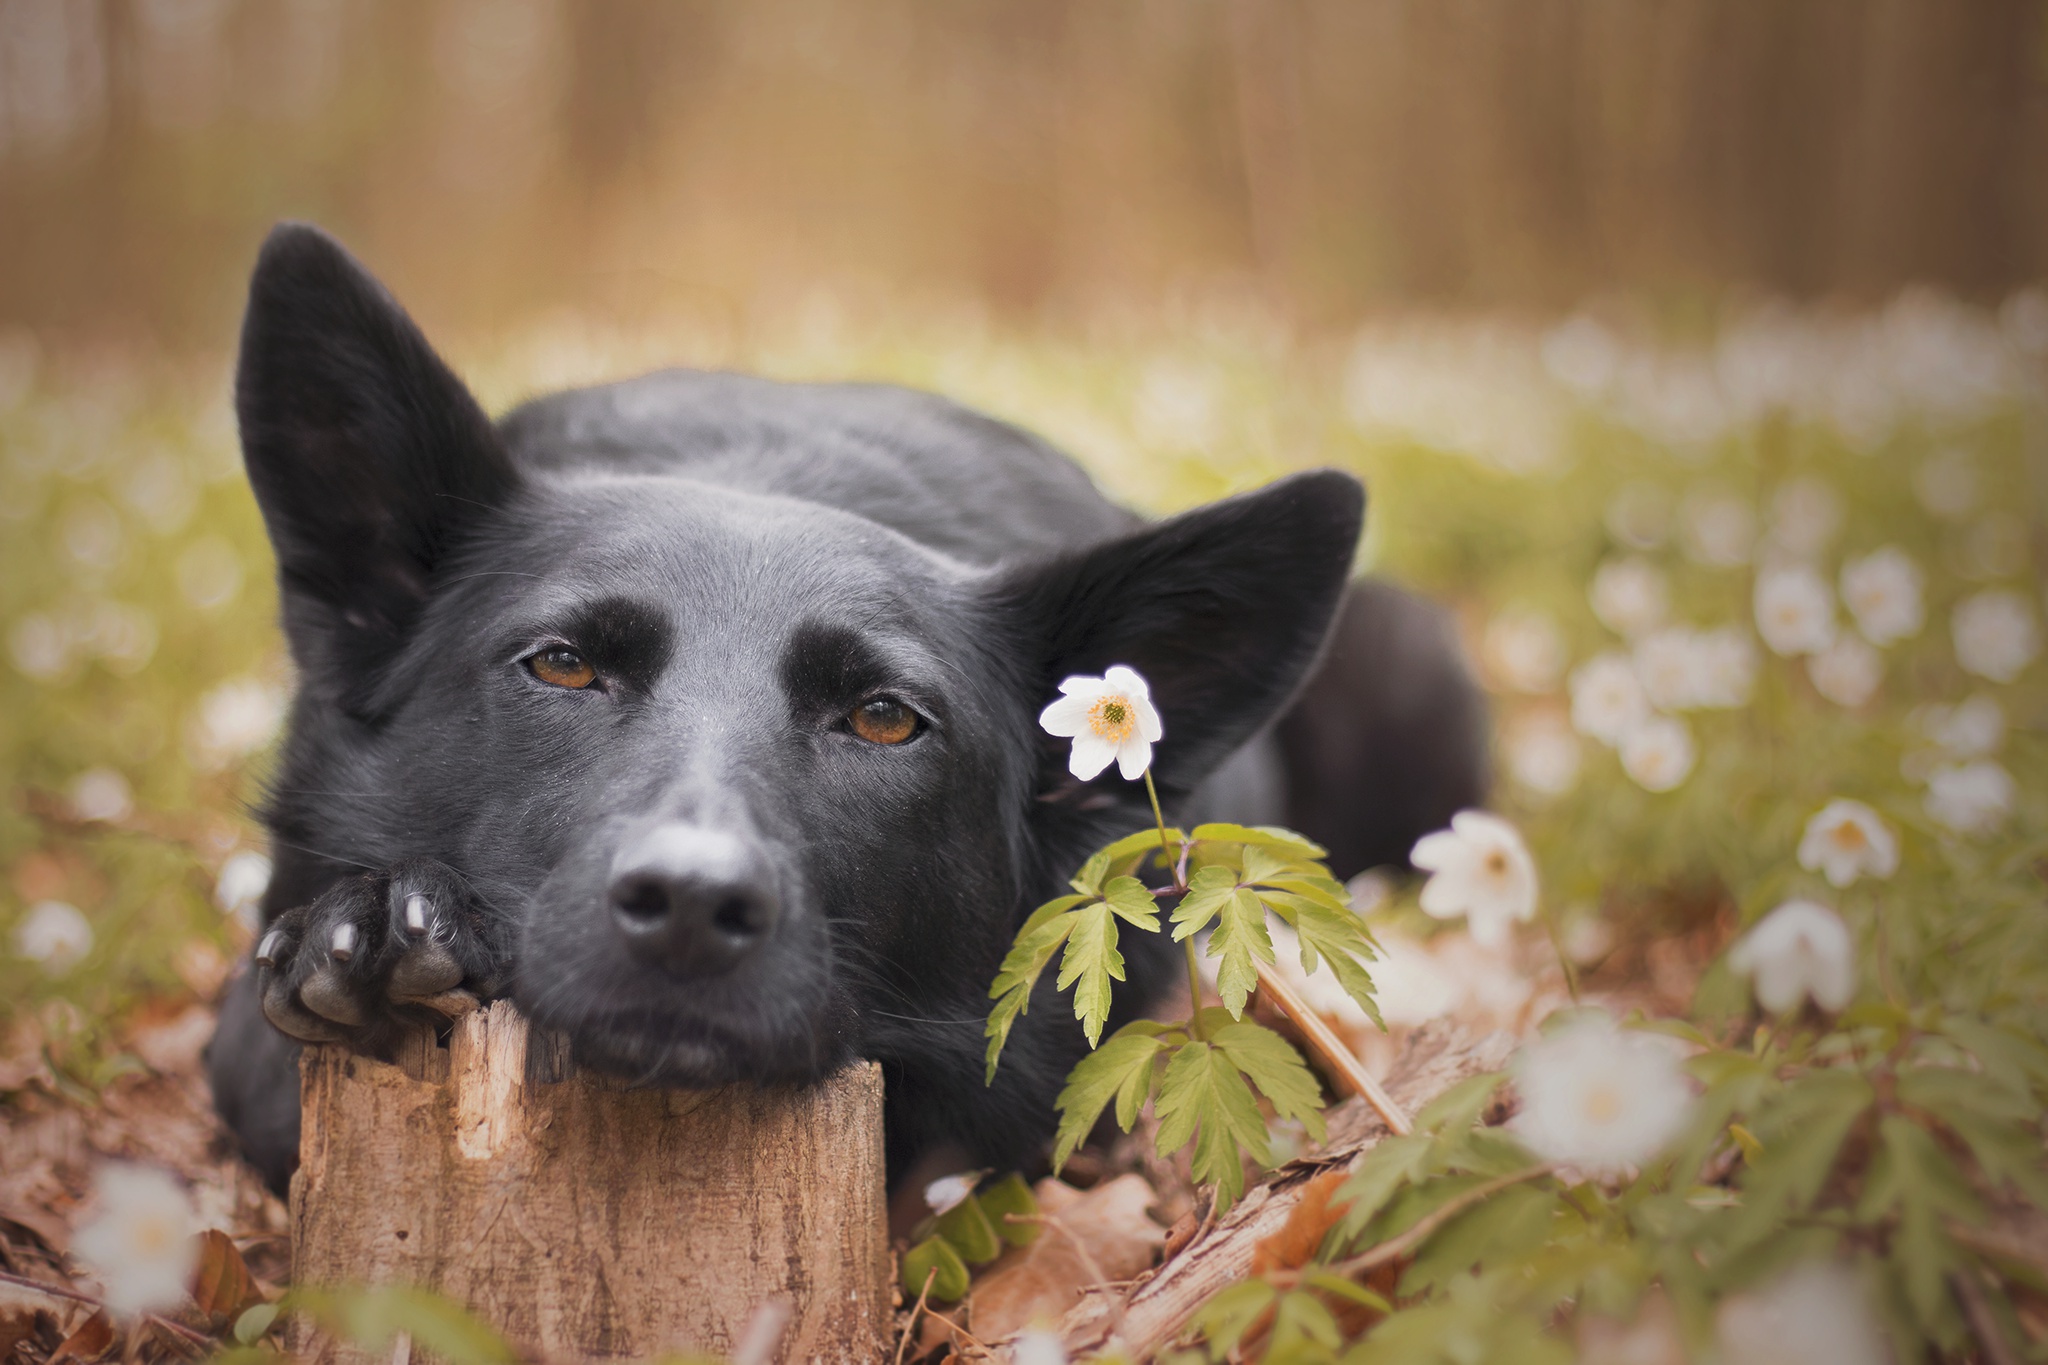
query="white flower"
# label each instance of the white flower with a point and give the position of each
(243, 880)
(1969, 729)
(1038, 1346)
(1805, 514)
(1598, 1098)
(1727, 661)
(1628, 595)
(1882, 591)
(1607, 698)
(1480, 869)
(1525, 650)
(1658, 753)
(54, 934)
(1719, 530)
(1947, 485)
(101, 794)
(235, 719)
(1669, 665)
(1108, 718)
(1815, 1314)
(1845, 840)
(141, 1241)
(1995, 634)
(947, 1192)
(1847, 672)
(1801, 948)
(1972, 798)
(1543, 754)
(1795, 612)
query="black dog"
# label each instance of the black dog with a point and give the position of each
(698, 713)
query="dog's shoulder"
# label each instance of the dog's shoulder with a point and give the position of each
(942, 473)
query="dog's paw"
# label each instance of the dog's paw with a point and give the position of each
(375, 953)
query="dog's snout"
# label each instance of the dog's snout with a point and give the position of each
(693, 901)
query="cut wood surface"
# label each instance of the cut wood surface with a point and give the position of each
(586, 1220)
(1145, 1317)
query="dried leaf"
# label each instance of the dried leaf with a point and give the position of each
(1309, 1222)
(222, 1286)
(92, 1339)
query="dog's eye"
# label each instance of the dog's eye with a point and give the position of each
(562, 667)
(883, 721)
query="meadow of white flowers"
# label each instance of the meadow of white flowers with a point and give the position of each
(1760, 599)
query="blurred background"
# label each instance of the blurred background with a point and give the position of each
(1645, 324)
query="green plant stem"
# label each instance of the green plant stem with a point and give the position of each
(1173, 869)
(1165, 845)
(1194, 990)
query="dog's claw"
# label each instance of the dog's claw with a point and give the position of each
(343, 944)
(271, 950)
(418, 911)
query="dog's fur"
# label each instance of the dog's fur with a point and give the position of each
(744, 563)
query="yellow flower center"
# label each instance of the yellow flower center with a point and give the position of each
(1112, 719)
(1849, 836)
(1603, 1104)
(150, 1236)
(1497, 863)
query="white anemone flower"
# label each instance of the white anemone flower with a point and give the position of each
(1110, 719)
(1801, 948)
(54, 934)
(1481, 869)
(1524, 650)
(102, 794)
(1629, 595)
(1814, 1314)
(140, 1243)
(1883, 591)
(1969, 729)
(1971, 798)
(1995, 635)
(949, 1191)
(1658, 754)
(1847, 840)
(1607, 698)
(1598, 1098)
(1847, 672)
(1671, 666)
(1795, 611)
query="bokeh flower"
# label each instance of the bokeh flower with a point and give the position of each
(1882, 590)
(1670, 666)
(1971, 798)
(1598, 1098)
(1970, 729)
(101, 794)
(1481, 869)
(1805, 514)
(1658, 753)
(1795, 611)
(243, 879)
(1719, 530)
(948, 1191)
(1814, 1314)
(1038, 1346)
(1110, 719)
(1800, 949)
(54, 934)
(1995, 634)
(1629, 595)
(1846, 840)
(1524, 650)
(1542, 753)
(140, 1243)
(1727, 660)
(234, 720)
(1847, 672)
(1607, 698)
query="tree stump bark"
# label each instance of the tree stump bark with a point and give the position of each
(586, 1220)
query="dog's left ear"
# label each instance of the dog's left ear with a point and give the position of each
(1222, 609)
(368, 456)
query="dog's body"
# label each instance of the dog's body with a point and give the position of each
(697, 714)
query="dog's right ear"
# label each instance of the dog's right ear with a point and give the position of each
(368, 456)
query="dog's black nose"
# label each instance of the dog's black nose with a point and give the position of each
(693, 901)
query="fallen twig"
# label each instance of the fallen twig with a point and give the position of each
(1332, 1049)
(916, 1309)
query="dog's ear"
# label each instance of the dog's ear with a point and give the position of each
(1222, 609)
(368, 456)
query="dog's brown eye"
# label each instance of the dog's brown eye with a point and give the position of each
(883, 721)
(562, 667)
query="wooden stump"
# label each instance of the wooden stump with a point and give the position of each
(586, 1220)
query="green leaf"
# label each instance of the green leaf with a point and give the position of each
(1270, 1062)
(1239, 936)
(2019, 1062)
(1459, 1107)
(967, 1227)
(1802, 1134)
(1282, 841)
(936, 1258)
(1132, 903)
(1231, 1312)
(1380, 1175)
(1501, 1229)
(1092, 960)
(1011, 1195)
(372, 1319)
(1337, 937)
(1121, 1069)
(1208, 888)
(1300, 1319)
(1915, 1176)
(1036, 942)
(254, 1323)
(1203, 1097)
(1124, 856)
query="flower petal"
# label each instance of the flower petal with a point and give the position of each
(1091, 755)
(1066, 717)
(1133, 756)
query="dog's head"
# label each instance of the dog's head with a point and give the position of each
(747, 772)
